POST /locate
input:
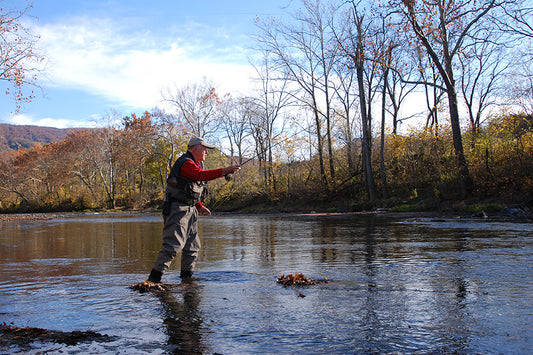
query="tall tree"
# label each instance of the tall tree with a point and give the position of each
(320, 21)
(398, 84)
(82, 167)
(103, 153)
(138, 134)
(272, 97)
(355, 39)
(301, 52)
(442, 27)
(433, 89)
(347, 101)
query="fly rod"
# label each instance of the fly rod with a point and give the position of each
(228, 176)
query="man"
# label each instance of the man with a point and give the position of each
(185, 189)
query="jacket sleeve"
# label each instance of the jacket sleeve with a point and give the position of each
(191, 170)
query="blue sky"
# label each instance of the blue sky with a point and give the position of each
(104, 55)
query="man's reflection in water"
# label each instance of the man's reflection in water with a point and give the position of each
(183, 319)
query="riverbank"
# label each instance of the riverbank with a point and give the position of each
(511, 212)
(509, 207)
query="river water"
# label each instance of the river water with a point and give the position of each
(395, 285)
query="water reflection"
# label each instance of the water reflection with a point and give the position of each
(100, 244)
(183, 319)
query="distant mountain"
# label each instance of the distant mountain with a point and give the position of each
(14, 137)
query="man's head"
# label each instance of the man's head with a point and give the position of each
(199, 148)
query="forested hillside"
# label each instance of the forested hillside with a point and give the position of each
(14, 137)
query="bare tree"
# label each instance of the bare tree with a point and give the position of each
(272, 98)
(396, 71)
(82, 166)
(320, 22)
(518, 18)
(483, 64)
(443, 36)
(353, 39)
(300, 51)
(104, 151)
(518, 22)
(197, 105)
(433, 89)
(397, 83)
(344, 87)
(521, 85)
(236, 114)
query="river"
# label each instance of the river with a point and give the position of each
(388, 285)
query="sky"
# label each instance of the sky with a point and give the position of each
(106, 56)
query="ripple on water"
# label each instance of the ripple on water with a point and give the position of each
(427, 287)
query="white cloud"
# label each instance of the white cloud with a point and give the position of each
(100, 57)
(22, 119)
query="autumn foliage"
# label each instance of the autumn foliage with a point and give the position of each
(125, 167)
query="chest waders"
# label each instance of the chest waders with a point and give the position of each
(180, 232)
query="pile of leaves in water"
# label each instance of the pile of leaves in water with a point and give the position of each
(16, 335)
(147, 286)
(295, 280)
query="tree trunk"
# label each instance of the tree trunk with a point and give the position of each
(320, 147)
(365, 118)
(367, 139)
(445, 68)
(382, 148)
(464, 174)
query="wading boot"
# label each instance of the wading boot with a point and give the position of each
(186, 274)
(155, 276)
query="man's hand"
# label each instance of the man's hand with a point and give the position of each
(204, 211)
(232, 169)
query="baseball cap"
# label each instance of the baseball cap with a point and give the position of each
(197, 140)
